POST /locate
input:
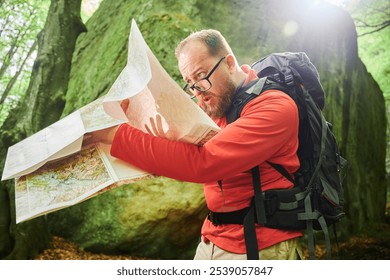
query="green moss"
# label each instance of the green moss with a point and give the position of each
(101, 53)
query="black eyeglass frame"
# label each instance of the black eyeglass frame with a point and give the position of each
(189, 89)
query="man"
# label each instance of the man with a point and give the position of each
(267, 130)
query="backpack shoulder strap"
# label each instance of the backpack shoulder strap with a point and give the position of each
(246, 94)
(257, 209)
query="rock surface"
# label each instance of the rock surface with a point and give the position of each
(156, 218)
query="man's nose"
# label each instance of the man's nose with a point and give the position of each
(197, 92)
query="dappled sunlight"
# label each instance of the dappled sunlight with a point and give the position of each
(322, 15)
(290, 28)
(88, 7)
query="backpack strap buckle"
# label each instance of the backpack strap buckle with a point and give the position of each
(213, 218)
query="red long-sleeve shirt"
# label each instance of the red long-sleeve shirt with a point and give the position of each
(267, 130)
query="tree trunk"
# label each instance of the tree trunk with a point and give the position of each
(42, 105)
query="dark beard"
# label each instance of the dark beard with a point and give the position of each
(223, 105)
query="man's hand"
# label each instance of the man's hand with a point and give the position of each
(105, 136)
(156, 127)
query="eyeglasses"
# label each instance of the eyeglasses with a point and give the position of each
(203, 84)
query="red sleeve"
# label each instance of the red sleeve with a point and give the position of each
(267, 128)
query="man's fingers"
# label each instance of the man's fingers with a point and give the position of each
(160, 128)
(154, 128)
(148, 129)
(105, 136)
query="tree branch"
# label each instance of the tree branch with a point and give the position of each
(16, 76)
(377, 27)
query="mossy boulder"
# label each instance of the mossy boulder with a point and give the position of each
(155, 218)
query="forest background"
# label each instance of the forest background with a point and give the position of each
(22, 21)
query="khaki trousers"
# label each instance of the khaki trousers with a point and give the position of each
(285, 250)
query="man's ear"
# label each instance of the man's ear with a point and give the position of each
(231, 62)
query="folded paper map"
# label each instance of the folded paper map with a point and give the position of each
(52, 169)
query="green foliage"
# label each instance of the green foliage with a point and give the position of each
(372, 19)
(20, 23)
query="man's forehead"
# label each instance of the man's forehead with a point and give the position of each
(191, 55)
